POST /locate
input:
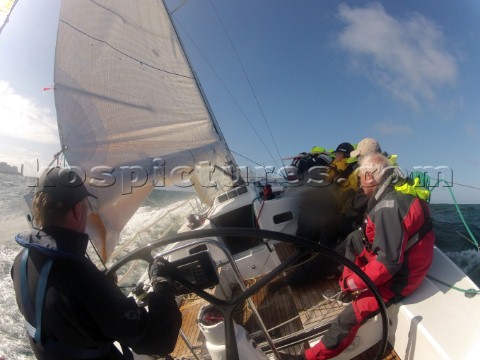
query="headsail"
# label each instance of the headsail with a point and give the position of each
(130, 110)
(6, 7)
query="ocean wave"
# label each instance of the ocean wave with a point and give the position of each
(468, 260)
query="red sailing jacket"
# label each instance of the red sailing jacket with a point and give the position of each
(399, 244)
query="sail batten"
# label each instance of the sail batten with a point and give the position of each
(126, 98)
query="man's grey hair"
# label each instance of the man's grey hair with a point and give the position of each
(376, 164)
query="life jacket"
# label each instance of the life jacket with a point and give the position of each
(340, 172)
(351, 166)
(416, 185)
(33, 317)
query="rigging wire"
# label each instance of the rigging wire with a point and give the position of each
(466, 186)
(178, 6)
(248, 80)
(465, 237)
(451, 183)
(253, 161)
(226, 88)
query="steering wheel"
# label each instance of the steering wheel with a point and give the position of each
(227, 307)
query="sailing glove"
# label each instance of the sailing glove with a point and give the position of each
(161, 272)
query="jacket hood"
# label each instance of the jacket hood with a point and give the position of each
(391, 178)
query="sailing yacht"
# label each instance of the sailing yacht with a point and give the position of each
(132, 116)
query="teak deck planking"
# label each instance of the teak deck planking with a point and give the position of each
(275, 306)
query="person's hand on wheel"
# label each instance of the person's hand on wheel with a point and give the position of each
(161, 272)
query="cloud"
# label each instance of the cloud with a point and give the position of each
(23, 119)
(407, 57)
(393, 129)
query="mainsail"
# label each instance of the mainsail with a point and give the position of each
(131, 115)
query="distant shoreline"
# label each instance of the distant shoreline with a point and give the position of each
(10, 172)
(9, 169)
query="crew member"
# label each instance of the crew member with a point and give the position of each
(71, 309)
(394, 248)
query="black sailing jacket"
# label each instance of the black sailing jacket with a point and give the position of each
(83, 309)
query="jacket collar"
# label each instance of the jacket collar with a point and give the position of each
(391, 178)
(56, 241)
(67, 240)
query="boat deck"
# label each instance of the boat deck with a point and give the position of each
(283, 309)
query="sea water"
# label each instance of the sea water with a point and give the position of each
(450, 231)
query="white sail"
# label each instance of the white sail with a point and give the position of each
(130, 111)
